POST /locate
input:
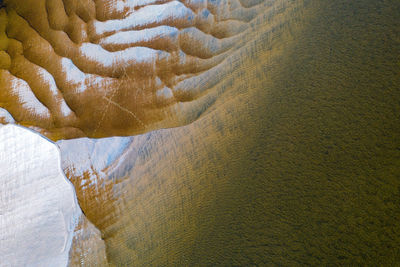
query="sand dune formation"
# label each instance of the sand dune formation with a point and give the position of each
(215, 132)
(103, 68)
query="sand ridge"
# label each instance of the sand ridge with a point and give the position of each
(101, 68)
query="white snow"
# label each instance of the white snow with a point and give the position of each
(96, 53)
(89, 155)
(48, 79)
(65, 110)
(38, 206)
(147, 15)
(73, 75)
(104, 58)
(51, 83)
(6, 116)
(132, 37)
(28, 99)
(131, 4)
(165, 93)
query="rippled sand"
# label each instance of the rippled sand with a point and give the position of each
(101, 68)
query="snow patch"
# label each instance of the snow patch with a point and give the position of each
(38, 207)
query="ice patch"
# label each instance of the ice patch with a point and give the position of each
(38, 207)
